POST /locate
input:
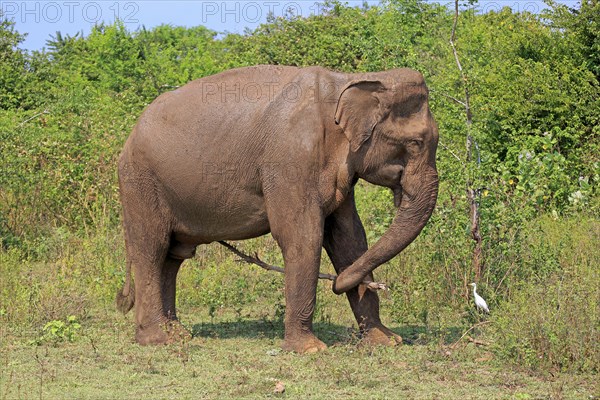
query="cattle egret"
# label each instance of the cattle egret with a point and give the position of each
(479, 301)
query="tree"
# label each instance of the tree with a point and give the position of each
(583, 26)
(12, 64)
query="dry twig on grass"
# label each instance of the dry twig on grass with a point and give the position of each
(477, 342)
(453, 345)
(374, 286)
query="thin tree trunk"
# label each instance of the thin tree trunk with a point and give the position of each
(472, 194)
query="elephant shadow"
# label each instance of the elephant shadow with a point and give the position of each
(330, 333)
(270, 329)
(249, 329)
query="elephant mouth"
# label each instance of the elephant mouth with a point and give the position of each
(398, 193)
(398, 189)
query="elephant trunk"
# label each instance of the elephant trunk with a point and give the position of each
(416, 203)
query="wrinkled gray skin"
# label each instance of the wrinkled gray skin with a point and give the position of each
(275, 149)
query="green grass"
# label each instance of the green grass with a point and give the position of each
(231, 357)
(61, 337)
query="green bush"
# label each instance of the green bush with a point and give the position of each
(551, 318)
(57, 331)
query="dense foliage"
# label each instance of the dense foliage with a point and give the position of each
(66, 111)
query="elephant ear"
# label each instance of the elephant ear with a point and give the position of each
(359, 110)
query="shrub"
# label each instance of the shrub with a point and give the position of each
(58, 331)
(551, 318)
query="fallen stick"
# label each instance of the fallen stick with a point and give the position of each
(33, 117)
(477, 342)
(373, 286)
(452, 346)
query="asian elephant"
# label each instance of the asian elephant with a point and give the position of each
(275, 149)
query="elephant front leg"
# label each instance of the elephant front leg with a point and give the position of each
(301, 275)
(365, 306)
(300, 237)
(345, 241)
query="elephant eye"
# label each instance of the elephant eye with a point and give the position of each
(415, 143)
(394, 137)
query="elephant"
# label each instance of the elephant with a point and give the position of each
(275, 149)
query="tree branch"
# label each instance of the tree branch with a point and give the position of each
(467, 102)
(450, 151)
(33, 117)
(373, 286)
(462, 103)
(471, 193)
(467, 331)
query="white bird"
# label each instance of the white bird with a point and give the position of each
(479, 301)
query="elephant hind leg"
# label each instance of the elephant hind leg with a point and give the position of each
(148, 237)
(156, 318)
(155, 288)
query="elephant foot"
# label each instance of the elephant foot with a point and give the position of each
(167, 332)
(304, 343)
(380, 335)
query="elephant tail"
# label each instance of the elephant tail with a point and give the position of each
(126, 296)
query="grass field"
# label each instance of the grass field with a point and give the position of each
(231, 357)
(61, 337)
(235, 353)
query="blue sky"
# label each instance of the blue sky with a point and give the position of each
(40, 19)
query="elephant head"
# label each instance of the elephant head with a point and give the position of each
(392, 142)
